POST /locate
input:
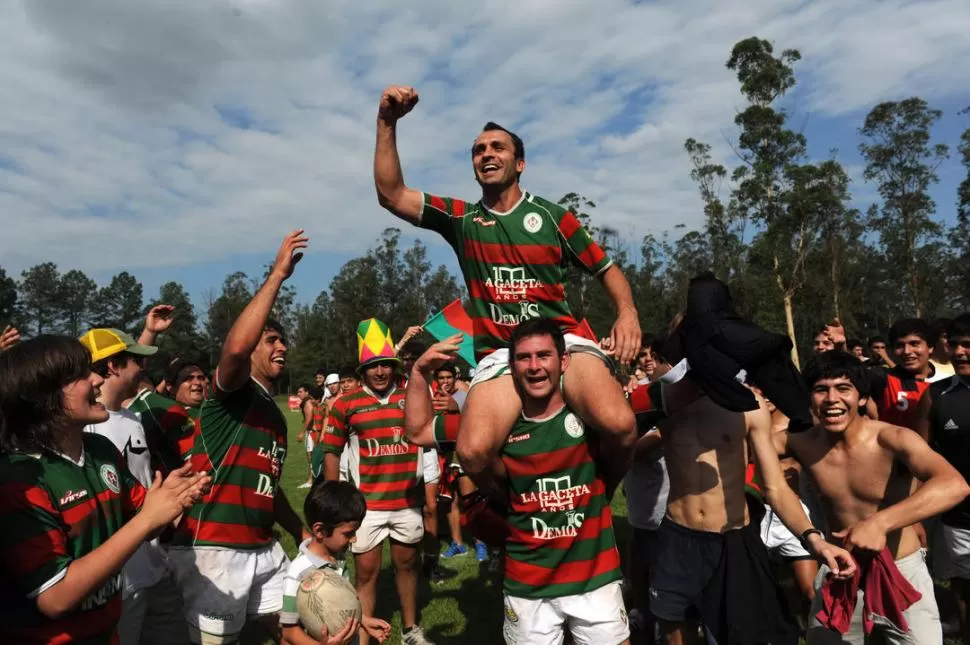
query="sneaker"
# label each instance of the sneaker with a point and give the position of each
(305, 485)
(440, 574)
(454, 550)
(415, 636)
(481, 552)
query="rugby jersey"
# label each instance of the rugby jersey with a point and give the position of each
(240, 441)
(169, 428)
(514, 263)
(54, 511)
(382, 464)
(561, 539)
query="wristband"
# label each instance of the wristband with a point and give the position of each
(803, 538)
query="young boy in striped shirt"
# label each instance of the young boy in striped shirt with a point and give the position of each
(334, 511)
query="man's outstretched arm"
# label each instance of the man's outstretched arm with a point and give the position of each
(392, 193)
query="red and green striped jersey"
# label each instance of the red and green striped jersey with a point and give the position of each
(561, 539)
(54, 511)
(241, 441)
(319, 410)
(514, 263)
(383, 465)
(169, 428)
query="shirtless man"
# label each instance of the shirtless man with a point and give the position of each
(863, 471)
(707, 451)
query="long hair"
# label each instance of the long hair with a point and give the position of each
(32, 375)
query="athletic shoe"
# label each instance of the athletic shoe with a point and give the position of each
(415, 636)
(481, 552)
(454, 550)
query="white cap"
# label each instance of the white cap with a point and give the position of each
(331, 379)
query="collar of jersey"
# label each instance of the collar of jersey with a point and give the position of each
(955, 383)
(525, 196)
(383, 401)
(545, 418)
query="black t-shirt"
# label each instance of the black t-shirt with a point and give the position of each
(950, 436)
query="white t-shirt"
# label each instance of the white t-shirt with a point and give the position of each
(148, 564)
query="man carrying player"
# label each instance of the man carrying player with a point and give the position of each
(513, 248)
(227, 559)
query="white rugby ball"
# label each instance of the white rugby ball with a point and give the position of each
(326, 598)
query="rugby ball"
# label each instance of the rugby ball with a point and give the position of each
(326, 598)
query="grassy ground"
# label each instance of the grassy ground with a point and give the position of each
(466, 610)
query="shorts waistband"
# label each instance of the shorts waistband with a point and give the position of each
(671, 525)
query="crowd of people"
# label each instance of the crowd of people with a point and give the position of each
(140, 512)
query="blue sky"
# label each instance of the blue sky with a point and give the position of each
(180, 142)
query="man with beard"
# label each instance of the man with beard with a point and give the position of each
(513, 248)
(388, 471)
(227, 558)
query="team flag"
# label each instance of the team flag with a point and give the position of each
(449, 321)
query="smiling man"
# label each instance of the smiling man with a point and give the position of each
(863, 471)
(897, 391)
(228, 561)
(513, 248)
(388, 469)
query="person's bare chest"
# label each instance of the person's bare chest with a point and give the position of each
(853, 481)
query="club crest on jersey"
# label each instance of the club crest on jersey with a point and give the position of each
(532, 222)
(400, 404)
(574, 427)
(109, 475)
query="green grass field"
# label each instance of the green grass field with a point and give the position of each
(466, 610)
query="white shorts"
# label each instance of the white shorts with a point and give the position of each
(596, 617)
(345, 465)
(405, 526)
(923, 617)
(957, 545)
(496, 364)
(222, 586)
(779, 541)
(432, 469)
(153, 615)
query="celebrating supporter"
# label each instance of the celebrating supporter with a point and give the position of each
(864, 472)
(73, 514)
(151, 602)
(387, 469)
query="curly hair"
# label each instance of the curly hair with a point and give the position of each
(32, 376)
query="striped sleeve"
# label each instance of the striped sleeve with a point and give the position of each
(335, 437)
(33, 542)
(291, 584)
(446, 431)
(584, 252)
(443, 215)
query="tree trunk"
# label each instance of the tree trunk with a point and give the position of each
(790, 323)
(786, 298)
(835, 279)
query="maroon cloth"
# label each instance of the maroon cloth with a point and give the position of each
(885, 592)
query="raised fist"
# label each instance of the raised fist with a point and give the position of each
(396, 101)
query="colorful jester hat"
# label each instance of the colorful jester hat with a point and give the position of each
(374, 344)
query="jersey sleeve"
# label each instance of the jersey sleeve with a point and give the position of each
(291, 584)
(444, 215)
(33, 543)
(446, 431)
(583, 251)
(335, 438)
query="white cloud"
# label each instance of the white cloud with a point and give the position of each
(110, 123)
